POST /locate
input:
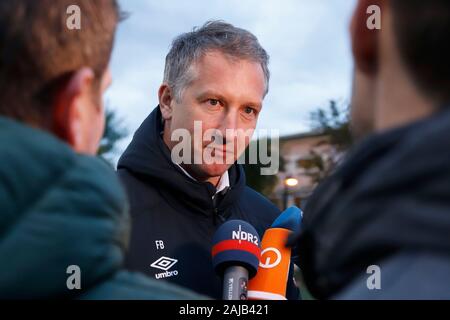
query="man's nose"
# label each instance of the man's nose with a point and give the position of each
(230, 122)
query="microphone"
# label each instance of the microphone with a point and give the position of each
(271, 280)
(235, 256)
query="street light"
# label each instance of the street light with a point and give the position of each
(289, 182)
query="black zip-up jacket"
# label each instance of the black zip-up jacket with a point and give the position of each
(174, 217)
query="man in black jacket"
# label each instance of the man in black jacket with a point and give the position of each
(379, 227)
(215, 77)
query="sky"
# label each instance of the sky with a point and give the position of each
(307, 40)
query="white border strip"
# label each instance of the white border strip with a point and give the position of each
(261, 295)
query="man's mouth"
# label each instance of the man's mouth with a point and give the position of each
(219, 148)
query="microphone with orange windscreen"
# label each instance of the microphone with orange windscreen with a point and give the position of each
(270, 282)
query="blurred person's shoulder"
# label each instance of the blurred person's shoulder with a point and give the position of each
(126, 285)
(408, 275)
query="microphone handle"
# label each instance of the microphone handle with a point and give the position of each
(235, 283)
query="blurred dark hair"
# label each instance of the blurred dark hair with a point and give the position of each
(422, 29)
(38, 51)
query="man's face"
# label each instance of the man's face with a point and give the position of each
(225, 98)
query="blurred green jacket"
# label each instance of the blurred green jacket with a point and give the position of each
(59, 209)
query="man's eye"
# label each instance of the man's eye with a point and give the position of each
(249, 110)
(213, 102)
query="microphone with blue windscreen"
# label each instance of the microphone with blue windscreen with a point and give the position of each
(235, 255)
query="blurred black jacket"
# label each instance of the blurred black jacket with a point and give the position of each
(387, 205)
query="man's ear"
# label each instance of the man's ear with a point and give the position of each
(364, 39)
(166, 98)
(68, 108)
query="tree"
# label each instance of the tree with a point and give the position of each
(333, 122)
(114, 132)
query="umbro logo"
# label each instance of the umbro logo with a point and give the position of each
(165, 263)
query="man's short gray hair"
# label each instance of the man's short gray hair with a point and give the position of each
(189, 47)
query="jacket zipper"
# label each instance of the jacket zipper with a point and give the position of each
(216, 206)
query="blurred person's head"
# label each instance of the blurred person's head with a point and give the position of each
(402, 71)
(52, 77)
(218, 75)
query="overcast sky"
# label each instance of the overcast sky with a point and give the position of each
(307, 40)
